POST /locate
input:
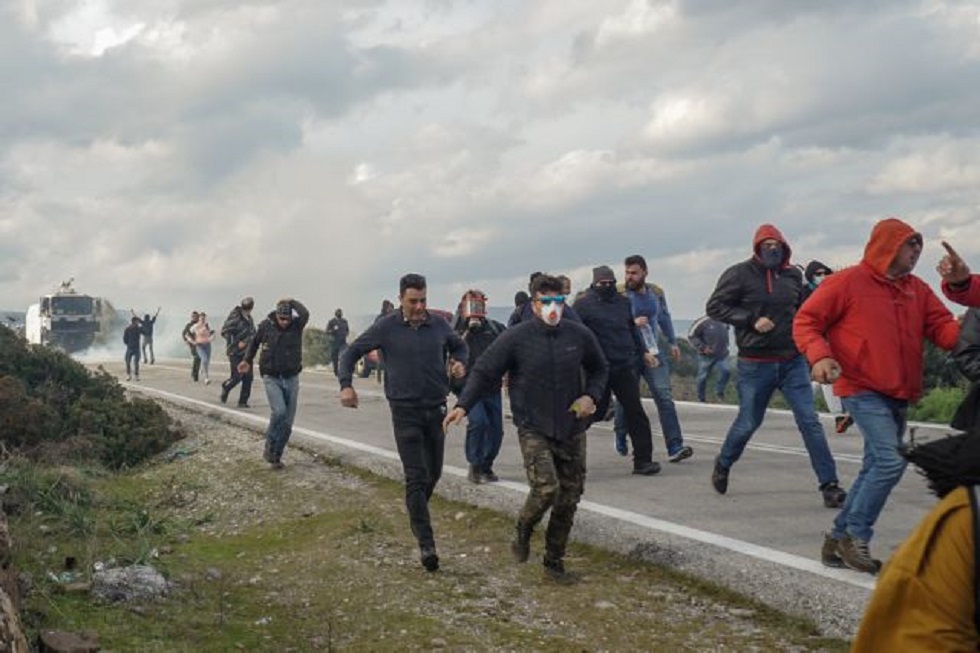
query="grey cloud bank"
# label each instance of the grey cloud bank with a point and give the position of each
(184, 154)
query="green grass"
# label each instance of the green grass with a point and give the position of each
(328, 565)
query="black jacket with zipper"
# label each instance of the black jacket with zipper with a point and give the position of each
(545, 366)
(280, 350)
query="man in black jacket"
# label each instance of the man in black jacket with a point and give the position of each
(417, 347)
(280, 339)
(337, 332)
(609, 315)
(553, 404)
(238, 330)
(759, 297)
(131, 338)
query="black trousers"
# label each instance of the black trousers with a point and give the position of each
(624, 382)
(421, 443)
(196, 365)
(245, 379)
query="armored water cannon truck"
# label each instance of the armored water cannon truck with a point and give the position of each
(65, 319)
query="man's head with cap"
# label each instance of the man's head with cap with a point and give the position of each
(284, 309)
(247, 303)
(604, 281)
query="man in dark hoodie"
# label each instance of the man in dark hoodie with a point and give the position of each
(863, 332)
(238, 329)
(609, 315)
(557, 373)
(759, 297)
(279, 345)
(131, 338)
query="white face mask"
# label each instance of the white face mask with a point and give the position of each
(551, 313)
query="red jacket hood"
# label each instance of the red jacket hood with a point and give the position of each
(887, 238)
(765, 232)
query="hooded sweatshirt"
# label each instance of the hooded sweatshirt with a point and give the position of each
(749, 290)
(809, 276)
(872, 325)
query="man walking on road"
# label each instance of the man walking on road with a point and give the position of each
(337, 332)
(650, 313)
(557, 373)
(416, 347)
(863, 332)
(759, 297)
(131, 338)
(188, 338)
(609, 316)
(279, 345)
(238, 330)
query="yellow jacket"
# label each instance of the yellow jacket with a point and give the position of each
(925, 596)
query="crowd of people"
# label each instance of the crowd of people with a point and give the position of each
(856, 334)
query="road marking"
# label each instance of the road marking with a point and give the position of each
(650, 523)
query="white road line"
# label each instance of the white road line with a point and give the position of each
(651, 523)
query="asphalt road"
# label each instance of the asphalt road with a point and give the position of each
(763, 538)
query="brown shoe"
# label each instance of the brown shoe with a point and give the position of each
(854, 553)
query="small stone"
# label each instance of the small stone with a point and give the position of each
(212, 574)
(605, 605)
(438, 642)
(741, 612)
(459, 515)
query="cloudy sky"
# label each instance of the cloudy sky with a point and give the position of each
(184, 153)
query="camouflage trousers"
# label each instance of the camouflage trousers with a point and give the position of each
(556, 475)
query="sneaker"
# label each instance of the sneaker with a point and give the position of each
(278, 465)
(646, 469)
(521, 546)
(683, 453)
(833, 495)
(621, 447)
(487, 476)
(854, 553)
(830, 553)
(429, 558)
(241, 405)
(207, 381)
(224, 394)
(137, 377)
(842, 423)
(473, 475)
(719, 478)
(129, 378)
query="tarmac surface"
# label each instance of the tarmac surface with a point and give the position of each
(761, 539)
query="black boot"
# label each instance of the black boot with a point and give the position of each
(521, 546)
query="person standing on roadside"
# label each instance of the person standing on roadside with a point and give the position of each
(337, 331)
(710, 339)
(760, 297)
(649, 303)
(238, 330)
(863, 331)
(609, 316)
(188, 337)
(417, 348)
(131, 338)
(279, 344)
(557, 373)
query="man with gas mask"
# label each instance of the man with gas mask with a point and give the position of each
(485, 419)
(557, 373)
(760, 297)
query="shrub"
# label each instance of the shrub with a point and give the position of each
(53, 408)
(938, 405)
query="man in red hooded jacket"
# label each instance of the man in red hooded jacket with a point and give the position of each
(863, 332)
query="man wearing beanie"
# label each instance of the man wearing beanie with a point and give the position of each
(760, 297)
(609, 315)
(280, 337)
(237, 330)
(863, 332)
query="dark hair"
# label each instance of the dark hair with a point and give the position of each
(520, 298)
(948, 462)
(530, 282)
(544, 283)
(414, 281)
(636, 259)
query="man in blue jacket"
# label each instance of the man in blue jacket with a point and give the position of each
(416, 347)
(553, 404)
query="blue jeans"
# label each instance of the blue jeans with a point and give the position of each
(484, 432)
(705, 365)
(757, 381)
(882, 423)
(283, 396)
(658, 381)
